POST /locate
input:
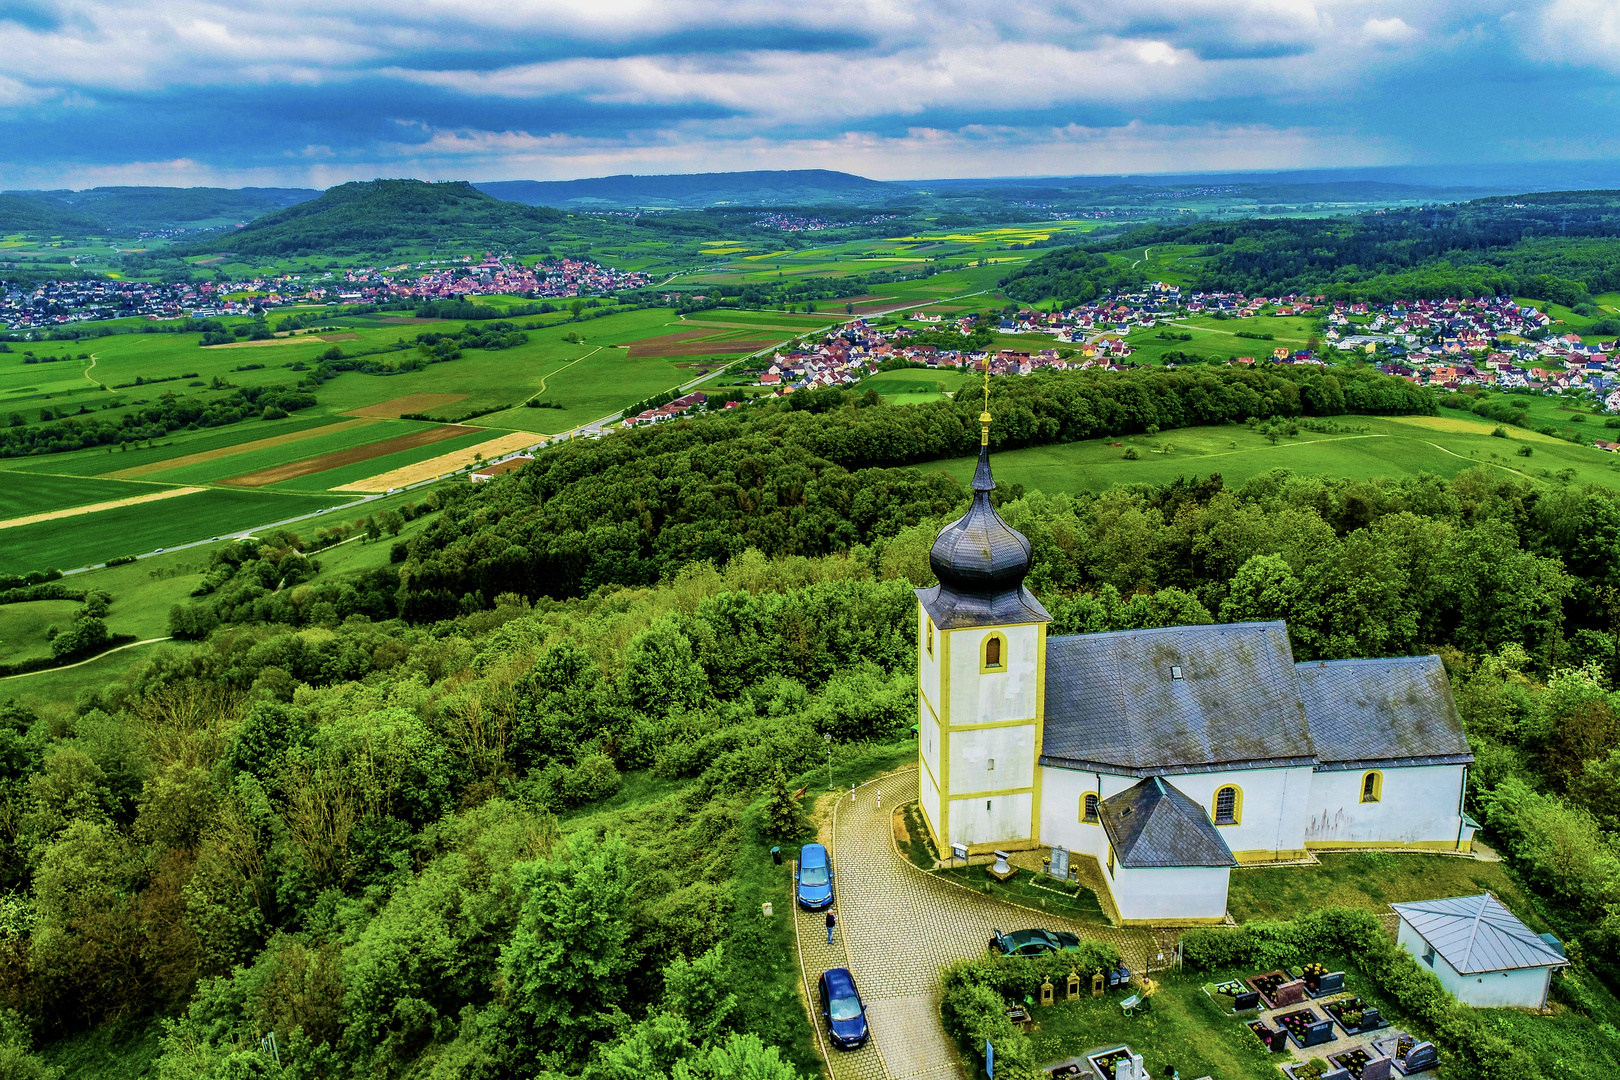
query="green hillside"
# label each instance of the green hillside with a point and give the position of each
(380, 215)
(38, 214)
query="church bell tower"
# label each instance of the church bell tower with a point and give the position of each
(981, 677)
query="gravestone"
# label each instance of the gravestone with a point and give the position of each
(1370, 1019)
(1098, 984)
(1318, 1033)
(1422, 1056)
(1073, 986)
(1249, 999)
(1337, 1074)
(1376, 1069)
(1046, 992)
(1277, 1042)
(1289, 993)
(1331, 983)
(1058, 867)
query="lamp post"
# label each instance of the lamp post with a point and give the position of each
(827, 738)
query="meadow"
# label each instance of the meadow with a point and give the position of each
(130, 530)
(23, 627)
(911, 386)
(23, 495)
(1379, 446)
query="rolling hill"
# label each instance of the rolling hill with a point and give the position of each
(118, 210)
(381, 215)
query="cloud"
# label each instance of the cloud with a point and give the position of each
(310, 89)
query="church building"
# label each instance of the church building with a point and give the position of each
(1168, 755)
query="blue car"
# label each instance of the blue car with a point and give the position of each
(841, 1008)
(814, 877)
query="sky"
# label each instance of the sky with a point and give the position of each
(311, 93)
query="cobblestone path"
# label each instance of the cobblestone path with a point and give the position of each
(898, 926)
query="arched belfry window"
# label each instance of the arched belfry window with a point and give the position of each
(993, 653)
(930, 637)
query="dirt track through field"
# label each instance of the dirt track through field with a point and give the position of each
(230, 451)
(410, 403)
(338, 458)
(94, 508)
(444, 463)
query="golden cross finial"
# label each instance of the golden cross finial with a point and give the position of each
(984, 417)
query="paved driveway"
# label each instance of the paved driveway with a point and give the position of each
(898, 926)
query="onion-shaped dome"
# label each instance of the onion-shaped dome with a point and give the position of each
(979, 552)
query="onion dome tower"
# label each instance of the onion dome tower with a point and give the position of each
(981, 678)
(980, 560)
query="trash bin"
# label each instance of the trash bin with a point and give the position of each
(776, 856)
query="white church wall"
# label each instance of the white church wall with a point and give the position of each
(1417, 807)
(1169, 894)
(979, 698)
(928, 738)
(928, 802)
(928, 665)
(992, 759)
(1061, 792)
(994, 819)
(1274, 805)
(1522, 988)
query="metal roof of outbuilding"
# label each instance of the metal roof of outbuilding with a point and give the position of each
(1476, 934)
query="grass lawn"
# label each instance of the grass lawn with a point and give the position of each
(1183, 1028)
(23, 627)
(1370, 880)
(132, 529)
(1382, 446)
(909, 386)
(1033, 891)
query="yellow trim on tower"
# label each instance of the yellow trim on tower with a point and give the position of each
(967, 795)
(944, 778)
(1027, 721)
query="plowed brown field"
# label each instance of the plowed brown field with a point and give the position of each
(309, 466)
(410, 403)
(692, 343)
(239, 448)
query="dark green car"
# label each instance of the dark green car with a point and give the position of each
(1032, 942)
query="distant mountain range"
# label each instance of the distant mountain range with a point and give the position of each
(794, 187)
(140, 209)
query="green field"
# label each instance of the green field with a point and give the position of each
(360, 470)
(130, 530)
(1386, 446)
(223, 468)
(910, 386)
(23, 494)
(100, 460)
(23, 627)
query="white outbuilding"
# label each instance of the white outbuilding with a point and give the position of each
(1483, 954)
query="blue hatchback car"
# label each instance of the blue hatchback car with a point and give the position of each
(842, 1010)
(814, 878)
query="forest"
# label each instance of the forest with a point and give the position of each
(1548, 245)
(478, 813)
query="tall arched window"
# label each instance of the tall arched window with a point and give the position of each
(1228, 805)
(1088, 808)
(1372, 787)
(993, 654)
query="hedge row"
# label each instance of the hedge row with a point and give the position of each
(1468, 1048)
(48, 591)
(976, 993)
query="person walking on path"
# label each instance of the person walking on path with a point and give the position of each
(832, 921)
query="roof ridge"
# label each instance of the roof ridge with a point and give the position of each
(1479, 916)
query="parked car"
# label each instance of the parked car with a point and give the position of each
(842, 1009)
(1032, 942)
(814, 877)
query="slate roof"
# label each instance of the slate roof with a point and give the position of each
(1477, 934)
(1111, 701)
(1369, 712)
(1154, 824)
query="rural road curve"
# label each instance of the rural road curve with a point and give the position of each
(93, 659)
